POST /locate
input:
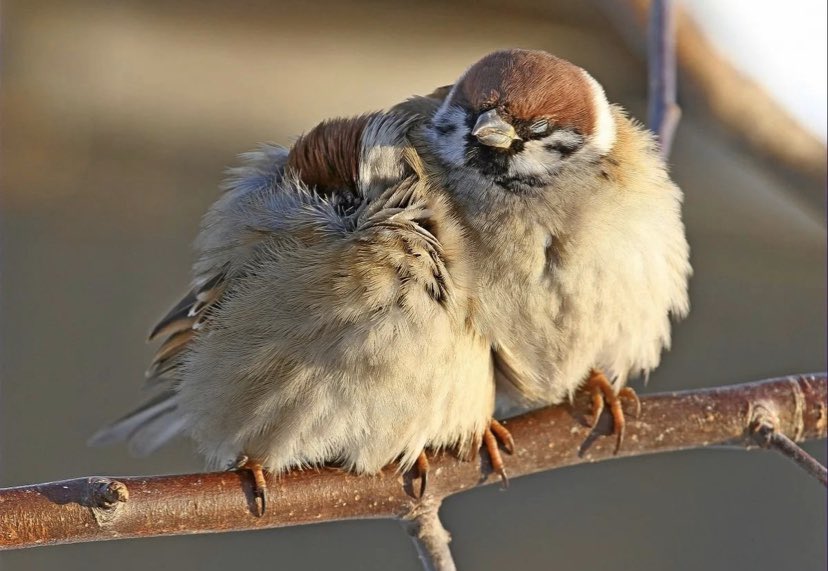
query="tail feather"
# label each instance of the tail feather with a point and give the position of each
(147, 427)
(153, 435)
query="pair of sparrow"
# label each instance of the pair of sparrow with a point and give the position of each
(394, 281)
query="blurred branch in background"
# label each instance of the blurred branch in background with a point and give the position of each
(95, 509)
(739, 103)
(662, 112)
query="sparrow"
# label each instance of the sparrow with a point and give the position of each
(329, 318)
(581, 251)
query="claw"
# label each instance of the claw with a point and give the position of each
(243, 462)
(630, 394)
(491, 444)
(261, 500)
(422, 469)
(598, 401)
(602, 393)
(503, 435)
(259, 485)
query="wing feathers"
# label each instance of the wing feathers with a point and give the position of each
(179, 311)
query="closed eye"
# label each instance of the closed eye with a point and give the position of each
(539, 127)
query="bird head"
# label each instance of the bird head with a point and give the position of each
(518, 116)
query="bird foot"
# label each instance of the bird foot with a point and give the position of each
(603, 393)
(494, 436)
(244, 462)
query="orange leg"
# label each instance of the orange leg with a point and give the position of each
(422, 470)
(493, 436)
(259, 483)
(503, 435)
(602, 393)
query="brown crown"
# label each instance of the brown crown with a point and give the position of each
(327, 157)
(527, 85)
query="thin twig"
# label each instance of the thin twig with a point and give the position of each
(663, 113)
(741, 104)
(764, 432)
(554, 437)
(429, 536)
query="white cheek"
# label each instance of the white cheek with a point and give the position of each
(450, 147)
(536, 160)
(565, 138)
(533, 160)
(604, 136)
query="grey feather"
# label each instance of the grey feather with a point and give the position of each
(158, 407)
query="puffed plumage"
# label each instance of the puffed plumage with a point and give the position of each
(329, 319)
(576, 224)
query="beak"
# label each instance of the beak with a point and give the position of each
(493, 131)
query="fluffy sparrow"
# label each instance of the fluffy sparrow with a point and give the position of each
(581, 251)
(329, 316)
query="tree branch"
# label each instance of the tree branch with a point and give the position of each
(765, 432)
(429, 536)
(94, 509)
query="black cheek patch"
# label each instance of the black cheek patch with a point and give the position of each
(564, 149)
(522, 183)
(490, 161)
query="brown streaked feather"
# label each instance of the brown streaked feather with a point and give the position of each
(179, 311)
(206, 298)
(327, 157)
(181, 324)
(184, 314)
(526, 85)
(211, 283)
(171, 327)
(173, 346)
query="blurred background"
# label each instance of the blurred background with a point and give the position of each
(118, 119)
